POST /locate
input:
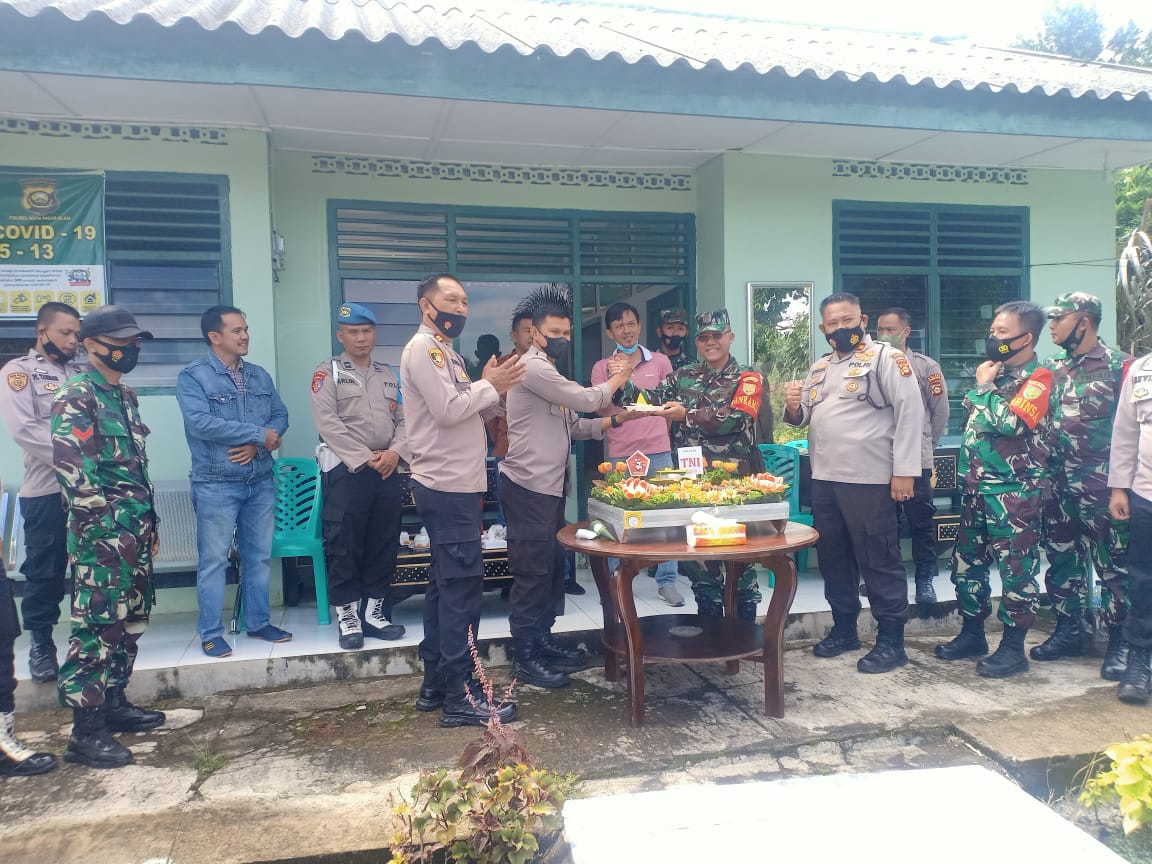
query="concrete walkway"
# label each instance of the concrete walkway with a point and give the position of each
(257, 776)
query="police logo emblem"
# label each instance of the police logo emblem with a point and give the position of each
(318, 381)
(437, 357)
(852, 386)
(345, 311)
(51, 388)
(17, 381)
(903, 365)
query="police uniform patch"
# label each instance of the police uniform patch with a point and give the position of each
(318, 380)
(437, 357)
(852, 386)
(1140, 393)
(852, 373)
(51, 388)
(345, 312)
(903, 365)
(17, 380)
(936, 384)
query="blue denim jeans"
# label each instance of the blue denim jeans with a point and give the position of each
(667, 570)
(245, 510)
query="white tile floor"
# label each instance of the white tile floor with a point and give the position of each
(171, 641)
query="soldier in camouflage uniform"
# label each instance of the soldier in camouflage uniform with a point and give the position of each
(98, 448)
(1078, 529)
(673, 332)
(714, 404)
(1003, 460)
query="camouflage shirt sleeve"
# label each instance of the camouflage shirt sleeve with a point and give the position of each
(989, 412)
(667, 390)
(75, 451)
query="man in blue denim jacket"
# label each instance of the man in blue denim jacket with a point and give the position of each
(233, 420)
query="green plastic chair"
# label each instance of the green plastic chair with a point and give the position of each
(783, 460)
(297, 526)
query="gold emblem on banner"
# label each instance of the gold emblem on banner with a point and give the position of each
(39, 195)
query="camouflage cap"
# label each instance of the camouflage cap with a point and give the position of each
(1076, 301)
(712, 322)
(673, 316)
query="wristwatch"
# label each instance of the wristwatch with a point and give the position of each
(615, 421)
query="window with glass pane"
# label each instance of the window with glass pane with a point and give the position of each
(949, 266)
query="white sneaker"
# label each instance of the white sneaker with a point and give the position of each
(376, 623)
(670, 595)
(351, 633)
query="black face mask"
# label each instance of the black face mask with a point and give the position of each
(1001, 349)
(450, 324)
(120, 358)
(1072, 340)
(846, 339)
(672, 343)
(556, 347)
(53, 352)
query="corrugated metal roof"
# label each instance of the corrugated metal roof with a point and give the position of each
(636, 35)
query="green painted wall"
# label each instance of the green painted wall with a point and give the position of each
(777, 226)
(244, 160)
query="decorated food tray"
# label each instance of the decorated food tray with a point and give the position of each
(639, 510)
(645, 408)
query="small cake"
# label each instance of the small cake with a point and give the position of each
(716, 534)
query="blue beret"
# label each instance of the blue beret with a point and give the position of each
(354, 313)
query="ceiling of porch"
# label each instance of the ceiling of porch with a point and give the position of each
(454, 130)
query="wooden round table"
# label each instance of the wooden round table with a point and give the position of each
(693, 638)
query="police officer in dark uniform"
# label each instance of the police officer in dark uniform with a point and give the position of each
(359, 413)
(445, 412)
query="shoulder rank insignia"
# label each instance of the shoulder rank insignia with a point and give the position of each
(17, 380)
(437, 356)
(936, 384)
(318, 380)
(1031, 401)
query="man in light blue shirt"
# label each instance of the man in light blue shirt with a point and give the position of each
(233, 420)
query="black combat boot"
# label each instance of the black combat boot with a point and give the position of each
(1137, 681)
(530, 667)
(557, 655)
(42, 663)
(1065, 641)
(970, 643)
(842, 637)
(17, 760)
(92, 744)
(1008, 659)
(709, 608)
(925, 590)
(746, 610)
(431, 691)
(120, 715)
(1115, 655)
(888, 652)
(457, 710)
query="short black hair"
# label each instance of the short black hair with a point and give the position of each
(432, 283)
(616, 311)
(520, 315)
(899, 311)
(51, 309)
(549, 310)
(840, 297)
(212, 321)
(1031, 316)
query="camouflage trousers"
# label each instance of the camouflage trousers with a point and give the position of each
(110, 608)
(708, 581)
(1080, 533)
(1004, 528)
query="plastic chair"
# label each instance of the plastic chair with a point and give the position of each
(297, 528)
(783, 460)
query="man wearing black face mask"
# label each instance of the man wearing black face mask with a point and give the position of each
(534, 482)
(673, 333)
(864, 415)
(28, 385)
(1078, 529)
(1004, 466)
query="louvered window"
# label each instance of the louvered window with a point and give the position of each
(168, 261)
(949, 266)
(167, 253)
(381, 251)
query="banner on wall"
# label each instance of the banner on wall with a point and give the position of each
(51, 241)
